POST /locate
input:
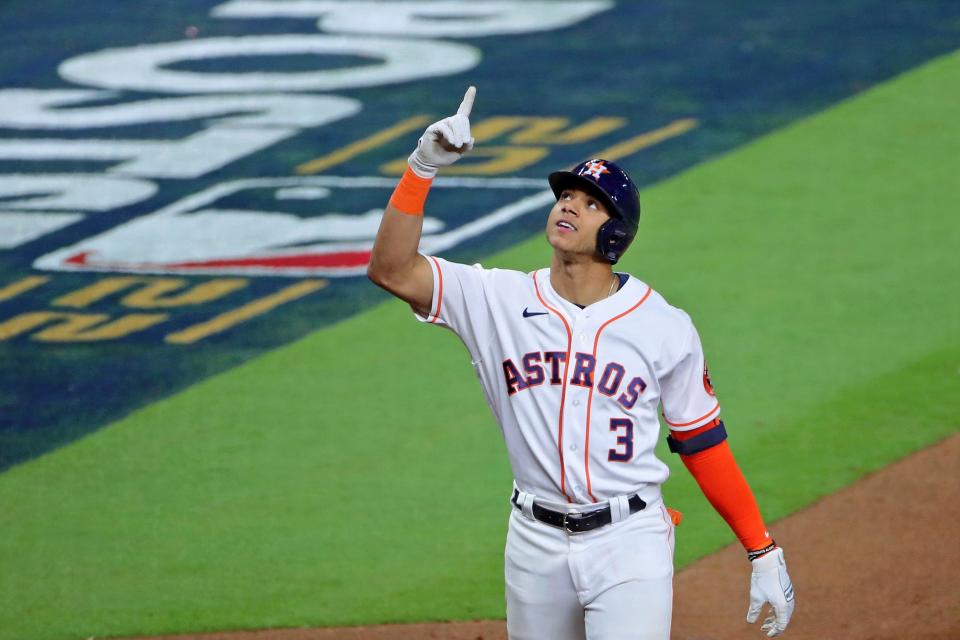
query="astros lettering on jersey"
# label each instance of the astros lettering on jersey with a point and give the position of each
(544, 362)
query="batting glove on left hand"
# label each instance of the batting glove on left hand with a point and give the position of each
(771, 583)
(445, 141)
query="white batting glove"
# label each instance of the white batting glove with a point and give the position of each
(771, 583)
(445, 141)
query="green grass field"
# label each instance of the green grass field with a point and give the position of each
(357, 476)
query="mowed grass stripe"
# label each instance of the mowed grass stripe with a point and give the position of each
(357, 476)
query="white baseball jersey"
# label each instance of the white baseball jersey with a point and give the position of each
(576, 391)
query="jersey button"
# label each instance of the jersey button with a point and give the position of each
(576, 403)
(573, 447)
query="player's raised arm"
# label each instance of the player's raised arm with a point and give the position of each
(395, 264)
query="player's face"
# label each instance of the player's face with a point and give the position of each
(574, 221)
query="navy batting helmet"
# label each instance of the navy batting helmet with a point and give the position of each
(616, 190)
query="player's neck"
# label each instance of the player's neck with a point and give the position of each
(582, 282)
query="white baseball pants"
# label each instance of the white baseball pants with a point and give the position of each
(613, 583)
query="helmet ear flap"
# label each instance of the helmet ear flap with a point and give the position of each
(613, 238)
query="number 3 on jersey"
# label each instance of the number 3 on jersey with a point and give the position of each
(624, 450)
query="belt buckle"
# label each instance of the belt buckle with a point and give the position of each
(567, 518)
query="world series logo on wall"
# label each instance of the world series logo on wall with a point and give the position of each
(309, 224)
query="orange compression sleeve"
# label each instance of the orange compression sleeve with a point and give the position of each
(723, 484)
(411, 193)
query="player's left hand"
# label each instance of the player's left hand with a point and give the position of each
(771, 583)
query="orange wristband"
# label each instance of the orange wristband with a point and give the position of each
(411, 193)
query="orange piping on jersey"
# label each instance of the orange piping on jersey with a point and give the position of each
(436, 315)
(692, 433)
(563, 387)
(687, 424)
(596, 344)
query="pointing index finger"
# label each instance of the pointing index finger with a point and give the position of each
(467, 105)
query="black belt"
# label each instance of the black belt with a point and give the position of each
(578, 522)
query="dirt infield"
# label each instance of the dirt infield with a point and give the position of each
(878, 560)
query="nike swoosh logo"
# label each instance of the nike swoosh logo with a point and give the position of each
(530, 314)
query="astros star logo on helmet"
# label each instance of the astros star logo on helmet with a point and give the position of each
(594, 169)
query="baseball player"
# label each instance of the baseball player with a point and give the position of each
(576, 362)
